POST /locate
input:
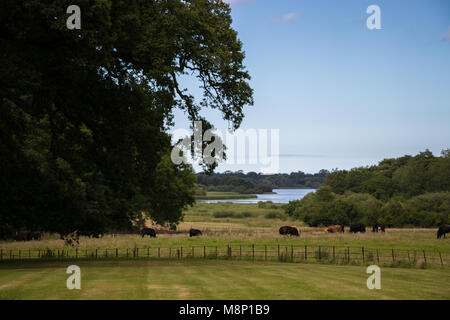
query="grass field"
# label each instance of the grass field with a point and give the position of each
(236, 225)
(248, 224)
(191, 279)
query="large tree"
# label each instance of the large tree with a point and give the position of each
(86, 112)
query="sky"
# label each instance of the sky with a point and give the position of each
(341, 95)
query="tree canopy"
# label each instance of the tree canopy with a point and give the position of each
(86, 112)
(406, 191)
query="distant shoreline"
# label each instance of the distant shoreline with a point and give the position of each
(225, 196)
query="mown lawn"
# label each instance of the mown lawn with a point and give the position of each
(194, 279)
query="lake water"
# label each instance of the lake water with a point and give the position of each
(281, 196)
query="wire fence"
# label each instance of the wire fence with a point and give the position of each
(293, 253)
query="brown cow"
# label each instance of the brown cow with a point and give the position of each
(335, 228)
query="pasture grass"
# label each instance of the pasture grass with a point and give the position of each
(247, 224)
(210, 279)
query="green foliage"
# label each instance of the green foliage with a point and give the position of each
(408, 191)
(406, 176)
(86, 113)
(253, 182)
(231, 214)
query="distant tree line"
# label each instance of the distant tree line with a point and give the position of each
(401, 192)
(253, 182)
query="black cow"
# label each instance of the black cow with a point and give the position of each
(194, 232)
(148, 231)
(34, 235)
(21, 236)
(443, 230)
(286, 230)
(28, 235)
(378, 227)
(359, 227)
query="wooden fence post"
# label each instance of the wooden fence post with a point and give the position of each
(409, 259)
(253, 251)
(334, 254)
(348, 256)
(76, 253)
(193, 253)
(393, 255)
(265, 252)
(95, 252)
(117, 252)
(320, 254)
(378, 257)
(306, 252)
(424, 256)
(442, 263)
(216, 252)
(292, 253)
(181, 252)
(278, 251)
(204, 252)
(159, 252)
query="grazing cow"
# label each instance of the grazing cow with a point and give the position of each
(148, 231)
(194, 232)
(335, 228)
(359, 227)
(22, 236)
(286, 230)
(443, 230)
(34, 235)
(378, 227)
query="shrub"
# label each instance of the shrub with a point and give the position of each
(223, 214)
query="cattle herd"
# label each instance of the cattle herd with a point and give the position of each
(354, 228)
(285, 230)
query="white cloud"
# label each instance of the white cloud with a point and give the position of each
(288, 17)
(237, 1)
(446, 36)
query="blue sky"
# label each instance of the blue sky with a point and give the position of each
(342, 95)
